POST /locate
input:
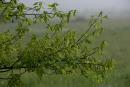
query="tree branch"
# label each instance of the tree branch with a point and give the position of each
(5, 78)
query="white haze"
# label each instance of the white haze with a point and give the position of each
(114, 7)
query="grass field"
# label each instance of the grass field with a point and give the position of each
(117, 33)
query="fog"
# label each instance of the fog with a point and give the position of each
(111, 7)
(88, 4)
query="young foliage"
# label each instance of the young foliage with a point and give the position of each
(56, 51)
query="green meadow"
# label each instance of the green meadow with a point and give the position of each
(116, 33)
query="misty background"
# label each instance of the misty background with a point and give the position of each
(116, 8)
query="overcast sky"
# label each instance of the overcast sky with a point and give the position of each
(88, 4)
(113, 8)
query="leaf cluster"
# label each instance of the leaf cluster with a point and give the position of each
(56, 51)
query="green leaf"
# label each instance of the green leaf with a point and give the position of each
(103, 44)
